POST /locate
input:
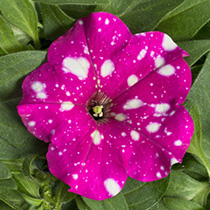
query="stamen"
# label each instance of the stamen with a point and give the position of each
(98, 107)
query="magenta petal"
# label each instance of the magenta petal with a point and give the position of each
(45, 121)
(47, 84)
(156, 147)
(91, 165)
(171, 83)
(134, 60)
(66, 158)
(112, 37)
(142, 157)
(156, 118)
(149, 157)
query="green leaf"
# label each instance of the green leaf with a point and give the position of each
(195, 71)
(182, 204)
(8, 42)
(11, 197)
(183, 186)
(55, 21)
(199, 97)
(2, 51)
(27, 166)
(158, 206)
(81, 204)
(117, 202)
(15, 140)
(202, 197)
(186, 20)
(4, 172)
(187, 4)
(8, 183)
(204, 32)
(195, 145)
(22, 14)
(65, 195)
(4, 206)
(32, 201)
(70, 206)
(15, 166)
(78, 11)
(26, 185)
(196, 49)
(192, 167)
(143, 15)
(62, 195)
(142, 195)
(76, 2)
(22, 37)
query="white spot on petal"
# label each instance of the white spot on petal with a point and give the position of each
(135, 135)
(132, 79)
(168, 44)
(68, 93)
(76, 66)
(174, 161)
(172, 113)
(66, 106)
(158, 174)
(178, 143)
(96, 137)
(123, 134)
(141, 54)
(80, 22)
(159, 61)
(75, 176)
(86, 51)
(167, 70)
(152, 53)
(120, 117)
(107, 68)
(112, 114)
(32, 123)
(153, 127)
(162, 108)
(133, 104)
(112, 186)
(107, 21)
(41, 95)
(37, 86)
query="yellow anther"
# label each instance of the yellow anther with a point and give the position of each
(97, 109)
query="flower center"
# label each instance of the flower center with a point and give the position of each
(97, 112)
(98, 107)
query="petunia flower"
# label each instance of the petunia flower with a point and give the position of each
(109, 104)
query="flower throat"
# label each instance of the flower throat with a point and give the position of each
(98, 107)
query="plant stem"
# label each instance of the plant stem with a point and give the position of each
(57, 196)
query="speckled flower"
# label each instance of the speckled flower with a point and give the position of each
(108, 102)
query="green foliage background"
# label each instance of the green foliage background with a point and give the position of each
(26, 30)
